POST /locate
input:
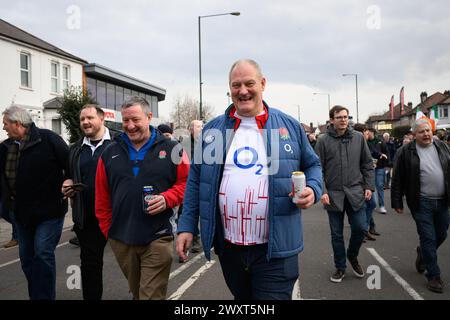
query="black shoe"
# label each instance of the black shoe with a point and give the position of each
(368, 236)
(357, 269)
(435, 284)
(373, 232)
(75, 241)
(196, 245)
(337, 276)
(420, 266)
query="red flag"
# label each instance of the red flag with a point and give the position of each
(391, 107)
(402, 100)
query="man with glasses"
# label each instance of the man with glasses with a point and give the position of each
(348, 182)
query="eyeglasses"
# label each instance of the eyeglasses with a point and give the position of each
(341, 118)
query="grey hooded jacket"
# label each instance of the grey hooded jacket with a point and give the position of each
(347, 168)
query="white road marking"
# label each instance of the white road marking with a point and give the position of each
(17, 260)
(185, 266)
(189, 282)
(296, 294)
(9, 262)
(413, 293)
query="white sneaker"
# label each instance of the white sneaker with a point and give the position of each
(382, 210)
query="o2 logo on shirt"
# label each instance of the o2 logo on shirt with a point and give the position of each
(246, 158)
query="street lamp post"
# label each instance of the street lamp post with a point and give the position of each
(356, 80)
(328, 98)
(200, 52)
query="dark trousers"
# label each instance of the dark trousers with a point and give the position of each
(432, 221)
(249, 275)
(92, 246)
(37, 246)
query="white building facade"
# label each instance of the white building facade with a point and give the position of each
(33, 72)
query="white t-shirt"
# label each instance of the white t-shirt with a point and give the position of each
(243, 194)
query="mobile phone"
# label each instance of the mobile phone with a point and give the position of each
(78, 186)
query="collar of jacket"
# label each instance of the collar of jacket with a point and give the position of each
(35, 137)
(261, 120)
(348, 134)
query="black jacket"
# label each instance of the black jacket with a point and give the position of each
(406, 175)
(78, 205)
(40, 173)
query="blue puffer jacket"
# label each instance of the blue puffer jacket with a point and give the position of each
(288, 150)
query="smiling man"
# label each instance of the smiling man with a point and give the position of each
(138, 228)
(421, 173)
(83, 159)
(243, 205)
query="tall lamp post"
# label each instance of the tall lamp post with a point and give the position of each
(328, 98)
(200, 52)
(356, 79)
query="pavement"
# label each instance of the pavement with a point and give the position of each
(6, 229)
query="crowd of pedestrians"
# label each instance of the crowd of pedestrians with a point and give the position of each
(230, 189)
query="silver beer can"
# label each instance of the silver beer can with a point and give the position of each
(298, 184)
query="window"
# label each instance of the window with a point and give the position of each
(101, 93)
(54, 77)
(126, 94)
(65, 77)
(25, 70)
(443, 112)
(110, 96)
(119, 98)
(56, 126)
(92, 87)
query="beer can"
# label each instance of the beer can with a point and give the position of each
(298, 184)
(147, 194)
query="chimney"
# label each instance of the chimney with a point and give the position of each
(447, 93)
(410, 105)
(423, 96)
(311, 126)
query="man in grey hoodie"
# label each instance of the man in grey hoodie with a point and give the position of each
(348, 182)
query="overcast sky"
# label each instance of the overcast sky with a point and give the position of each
(302, 46)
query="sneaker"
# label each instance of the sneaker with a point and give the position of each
(373, 232)
(420, 266)
(337, 276)
(75, 241)
(382, 210)
(11, 243)
(368, 236)
(357, 269)
(435, 284)
(196, 245)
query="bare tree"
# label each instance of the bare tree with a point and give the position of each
(186, 109)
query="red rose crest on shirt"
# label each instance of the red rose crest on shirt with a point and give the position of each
(162, 154)
(284, 133)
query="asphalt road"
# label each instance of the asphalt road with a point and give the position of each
(389, 260)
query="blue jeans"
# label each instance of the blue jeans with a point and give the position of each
(358, 222)
(12, 220)
(379, 182)
(37, 246)
(249, 275)
(370, 206)
(432, 220)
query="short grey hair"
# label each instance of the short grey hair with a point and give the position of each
(419, 122)
(136, 100)
(386, 134)
(249, 61)
(18, 114)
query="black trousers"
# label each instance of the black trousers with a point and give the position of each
(92, 245)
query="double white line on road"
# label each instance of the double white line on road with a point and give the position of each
(189, 282)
